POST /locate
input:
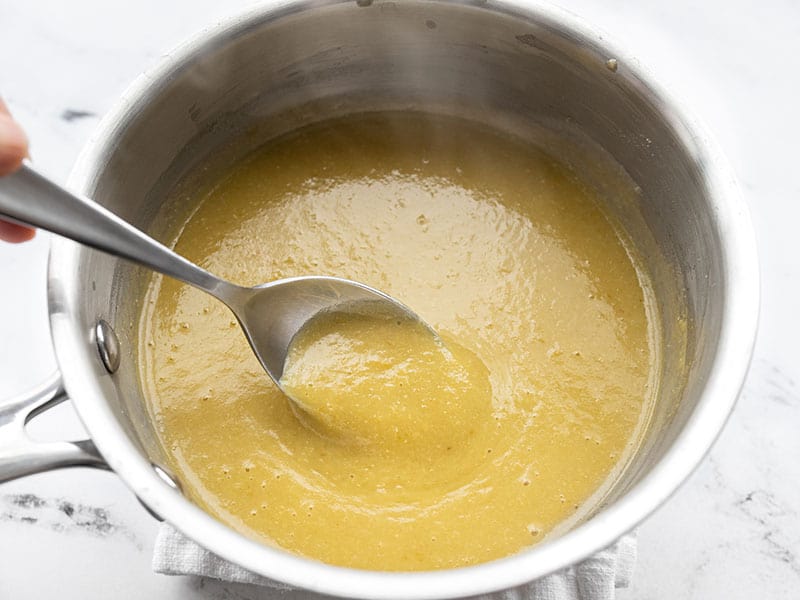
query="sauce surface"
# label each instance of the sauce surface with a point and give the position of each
(442, 455)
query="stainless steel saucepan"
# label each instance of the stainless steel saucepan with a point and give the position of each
(512, 64)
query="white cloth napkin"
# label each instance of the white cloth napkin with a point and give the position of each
(594, 579)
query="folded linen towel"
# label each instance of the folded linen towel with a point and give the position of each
(596, 578)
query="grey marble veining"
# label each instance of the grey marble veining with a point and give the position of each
(732, 532)
(61, 515)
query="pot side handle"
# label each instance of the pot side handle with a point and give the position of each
(20, 455)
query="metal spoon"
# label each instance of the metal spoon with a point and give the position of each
(270, 314)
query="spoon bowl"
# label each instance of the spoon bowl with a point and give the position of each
(270, 314)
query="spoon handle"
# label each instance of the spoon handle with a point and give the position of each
(29, 198)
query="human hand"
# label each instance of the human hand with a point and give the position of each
(13, 149)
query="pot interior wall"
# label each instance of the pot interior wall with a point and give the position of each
(291, 68)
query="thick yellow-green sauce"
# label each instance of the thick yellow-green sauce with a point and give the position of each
(405, 454)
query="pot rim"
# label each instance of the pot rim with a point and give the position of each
(726, 377)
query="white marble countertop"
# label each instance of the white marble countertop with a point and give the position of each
(732, 531)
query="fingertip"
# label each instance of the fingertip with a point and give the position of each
(13, 144)
(11, 232)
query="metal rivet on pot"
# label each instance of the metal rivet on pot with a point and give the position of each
(107, 346)
(612, 65)
(168, 478)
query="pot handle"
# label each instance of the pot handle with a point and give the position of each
(20, 455)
